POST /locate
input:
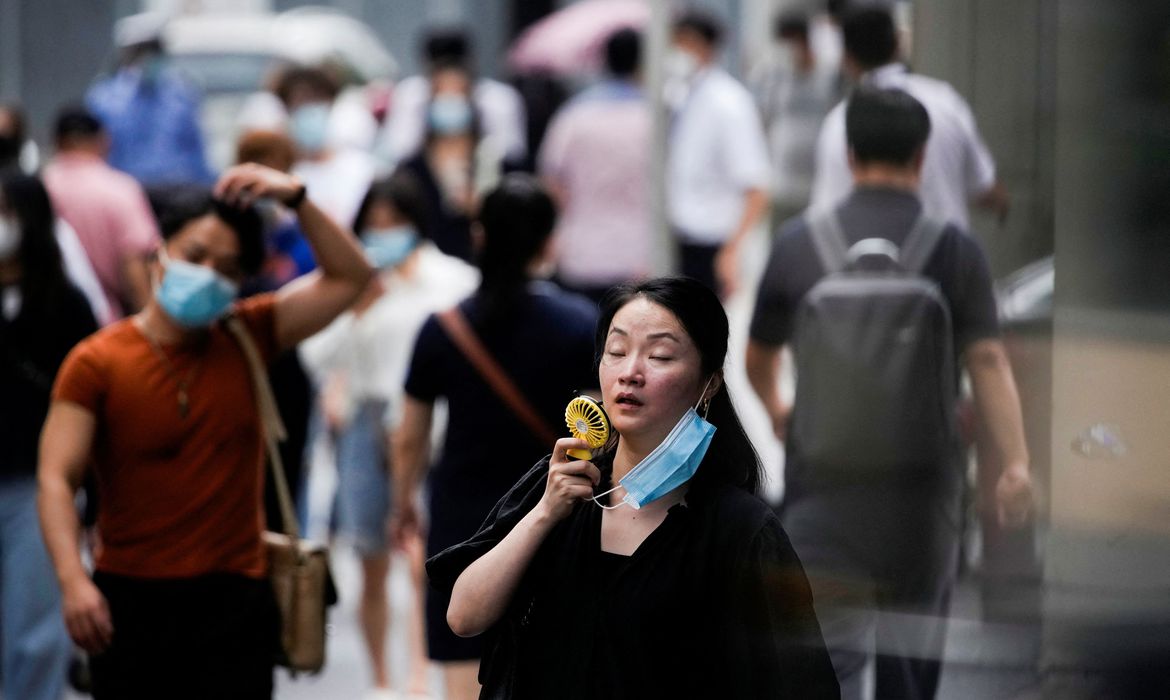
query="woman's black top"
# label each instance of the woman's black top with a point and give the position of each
(449, 228)
(713, 604)
(33, 345)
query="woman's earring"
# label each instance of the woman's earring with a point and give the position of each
(706, 406)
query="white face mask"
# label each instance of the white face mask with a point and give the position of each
(10, 236)
(681, 65)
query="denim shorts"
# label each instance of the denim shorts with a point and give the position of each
(363, 480)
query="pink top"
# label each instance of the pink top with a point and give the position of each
(597, 151)
(109, 211)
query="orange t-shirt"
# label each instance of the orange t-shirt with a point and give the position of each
(178, 497)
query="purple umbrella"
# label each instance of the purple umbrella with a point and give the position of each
(571, 40)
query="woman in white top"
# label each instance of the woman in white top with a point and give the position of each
(360, 362)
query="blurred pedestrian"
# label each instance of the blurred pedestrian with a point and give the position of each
(693, 591)
(107, 208)
(455, 164)
(958, 168)
(717, 174)
(289, 254)
(163, 407)
(149, 109)
(500, 106)
(540, 340)
(338, 176)
(17, 150)
(596, 162)
(352, 123)
(794, 92)
(17, 159)
(42, 316)
(874, 475)
(360, 362)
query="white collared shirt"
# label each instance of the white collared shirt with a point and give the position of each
(957, 167)
(717, 154)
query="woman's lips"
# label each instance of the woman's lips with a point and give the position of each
(627, 401)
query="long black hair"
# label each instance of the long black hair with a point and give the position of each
(731, 459)
(517, 219)
(42, 275)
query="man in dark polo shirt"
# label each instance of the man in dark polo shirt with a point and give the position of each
(881, 552)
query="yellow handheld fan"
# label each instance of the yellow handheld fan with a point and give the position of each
(587, 421)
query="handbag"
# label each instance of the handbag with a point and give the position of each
(298, 569)
(455, 324)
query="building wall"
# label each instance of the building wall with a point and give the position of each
(1000, 55)
(50, 50)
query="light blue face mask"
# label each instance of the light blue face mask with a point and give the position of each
(193, 295)
(668, 466)
(309, 126)
(450, 114)
(387, 247)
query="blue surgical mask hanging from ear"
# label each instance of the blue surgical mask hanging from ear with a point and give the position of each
(193, 295)
(450, 114)
(387, 247)
(668, 466)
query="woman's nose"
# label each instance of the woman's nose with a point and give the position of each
(630, 371)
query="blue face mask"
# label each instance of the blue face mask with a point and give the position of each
(450, 114)
(387, 247)
(309, 126)
(193, 295)
(668, 466)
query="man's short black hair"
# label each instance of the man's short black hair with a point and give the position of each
(446, 44)
(885, 125)
(623, 52)
(870, 36)
(317, 80)
(75, 121)
(702, 23)
(791, 25)
(175, 206)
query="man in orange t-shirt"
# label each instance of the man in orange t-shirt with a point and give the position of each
(161, 405)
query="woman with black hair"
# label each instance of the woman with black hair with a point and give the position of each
(359, 364)
(541, 340)
(42, 316)
(161, 406)
(654, 570)
(456, 162)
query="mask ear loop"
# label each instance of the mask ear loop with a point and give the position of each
(705, 404)
(599, 504)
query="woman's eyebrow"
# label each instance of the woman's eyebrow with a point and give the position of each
(617, 331)
(664, 334)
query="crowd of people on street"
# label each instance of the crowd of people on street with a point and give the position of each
(429, 288)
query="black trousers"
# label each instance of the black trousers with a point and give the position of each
(698, 261)
(881, 564)
(211, 636)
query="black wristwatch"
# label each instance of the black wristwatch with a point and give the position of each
(297, 199)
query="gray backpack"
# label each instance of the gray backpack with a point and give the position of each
(876, 382)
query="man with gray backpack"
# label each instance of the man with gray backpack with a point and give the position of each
(882, 307)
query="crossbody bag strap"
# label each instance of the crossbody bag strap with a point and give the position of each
(271, 425)
(460, 332)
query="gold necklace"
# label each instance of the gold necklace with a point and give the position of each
(183, 384)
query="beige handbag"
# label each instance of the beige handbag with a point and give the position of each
(298, 569)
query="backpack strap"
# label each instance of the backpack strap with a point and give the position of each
(829, 240)
(921, 242)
